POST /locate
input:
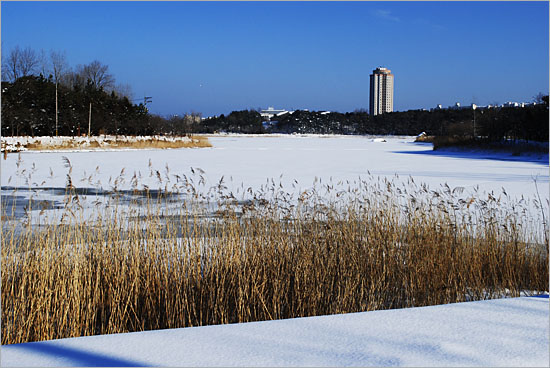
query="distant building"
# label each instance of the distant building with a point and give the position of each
(192, 118)
(381, 91)
(271, 112)
(473, 106)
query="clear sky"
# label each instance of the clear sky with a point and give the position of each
(215, 57)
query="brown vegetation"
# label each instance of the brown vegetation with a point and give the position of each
(155, 266)
(425, 138)
(110, 142)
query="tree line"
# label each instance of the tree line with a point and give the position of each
(24, 62)
(43, 95)
(529, 123)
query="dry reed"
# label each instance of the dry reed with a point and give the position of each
(108, 142)
(166, 262)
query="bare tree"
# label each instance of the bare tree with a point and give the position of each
(72, 79)
(29, 62)
(123, 90)
(21, 63)
(12, 64)
(97, 74)
(5, 69)
(59, 67)
(43, 63)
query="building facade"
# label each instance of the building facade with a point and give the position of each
(381, 91)
(271, 112)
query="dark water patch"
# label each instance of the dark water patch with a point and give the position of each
(149, 193)
(17, 206)
(21, 200)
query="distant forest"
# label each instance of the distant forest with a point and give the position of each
(45, 96)
(513, 123)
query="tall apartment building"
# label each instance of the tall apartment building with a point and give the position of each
(381, 91)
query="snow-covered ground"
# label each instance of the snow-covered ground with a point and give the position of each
(505, 332)
(250, 160)
(297, 162)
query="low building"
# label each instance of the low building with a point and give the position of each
(271, 112)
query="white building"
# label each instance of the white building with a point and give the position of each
(381, 91)
(271, 112)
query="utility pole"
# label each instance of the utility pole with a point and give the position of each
(90, 120)
(56, 111)
(474, 108)
(146, 100)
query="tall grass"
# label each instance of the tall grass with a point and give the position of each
(204, 257)
(16, 144)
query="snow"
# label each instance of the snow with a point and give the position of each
(296, 162)
(506, 332)
(250, 160)
(503, 332)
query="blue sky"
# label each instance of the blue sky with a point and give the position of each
(215, 57)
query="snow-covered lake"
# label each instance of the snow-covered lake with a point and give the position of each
(250, 160)
(296, 162)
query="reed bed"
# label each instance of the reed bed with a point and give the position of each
(17, 144)
(203, 257)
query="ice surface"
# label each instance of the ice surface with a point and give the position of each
(296, 162)
(250, 160)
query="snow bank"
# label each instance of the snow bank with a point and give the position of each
(505, 332)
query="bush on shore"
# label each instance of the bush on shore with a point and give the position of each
(515, 147)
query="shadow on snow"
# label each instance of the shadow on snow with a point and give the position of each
(77, 356)
(537, 158)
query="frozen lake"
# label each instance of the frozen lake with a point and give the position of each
(270, 165)
(251, 160)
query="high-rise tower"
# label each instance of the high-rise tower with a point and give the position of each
(381, 91)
